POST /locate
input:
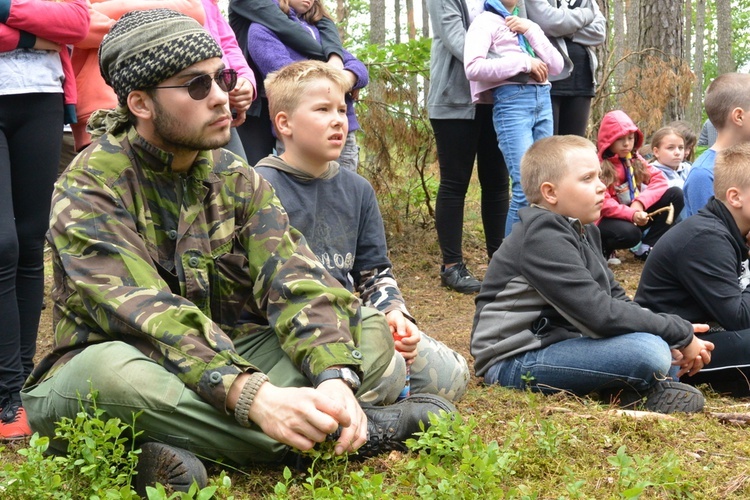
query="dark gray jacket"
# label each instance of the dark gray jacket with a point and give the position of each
(549, 282)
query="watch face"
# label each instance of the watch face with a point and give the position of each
(351, 378)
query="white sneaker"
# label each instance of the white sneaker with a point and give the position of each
(613, 260)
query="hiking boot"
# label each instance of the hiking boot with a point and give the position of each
(173, 467)
(458, 278)
(666, 396)
(388, 427)
(14, 424)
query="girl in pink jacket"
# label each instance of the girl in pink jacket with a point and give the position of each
(507, 59)
(634, 189)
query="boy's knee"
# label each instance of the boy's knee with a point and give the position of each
(652, 357)
(440, 370)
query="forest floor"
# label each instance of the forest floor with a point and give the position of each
(565, 447)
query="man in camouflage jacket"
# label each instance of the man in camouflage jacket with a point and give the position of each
(160, 240)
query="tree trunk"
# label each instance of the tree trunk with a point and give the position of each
(377, 22)
(660, 27)
(410, 20)
(724, 36)
(342, 18)
(696, 107)
(618, 42)
(397, 18)
(425, 20)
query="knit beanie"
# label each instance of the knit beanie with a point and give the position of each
(144, 48)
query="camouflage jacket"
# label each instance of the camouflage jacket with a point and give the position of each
(167, 262)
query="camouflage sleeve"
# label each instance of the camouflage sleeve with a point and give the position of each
(107, 287)
(378, 289)
(317, 320)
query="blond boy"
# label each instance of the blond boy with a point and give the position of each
(728, 107)
(695, 273)
(550, 315)
(338, 213)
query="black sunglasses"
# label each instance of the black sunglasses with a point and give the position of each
(200, 86)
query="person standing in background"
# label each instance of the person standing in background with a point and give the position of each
(575, 27)
(242, 95)
(256, 133)
(464, 132)
(37, 96)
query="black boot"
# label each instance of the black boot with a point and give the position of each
(171, 466)
(388, 427)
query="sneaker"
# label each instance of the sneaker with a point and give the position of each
(173, 467)
(612, 260)
(642, 252)
(14, 424)
(388, 427)
(458, 278)
(666, 396)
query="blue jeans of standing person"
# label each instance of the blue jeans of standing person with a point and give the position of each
(522, 114)
(584, 365)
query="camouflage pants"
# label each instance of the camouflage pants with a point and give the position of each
(129, 382)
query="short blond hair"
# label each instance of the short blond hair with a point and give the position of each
(286, 87)
(731, 170)
(547, 161)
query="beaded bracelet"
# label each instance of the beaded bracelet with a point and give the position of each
(247, 396)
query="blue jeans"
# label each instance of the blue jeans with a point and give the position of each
(522, 114)
(583, 365)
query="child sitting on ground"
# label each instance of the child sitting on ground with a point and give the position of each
(337, 212)
(690, 138)
(668, 147)
(727, 105)
(550, 315)
(695, 270)
(507, 59)
(634, 188)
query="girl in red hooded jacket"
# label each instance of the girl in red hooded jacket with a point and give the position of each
(634, 189)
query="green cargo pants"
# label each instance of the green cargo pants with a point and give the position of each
(128, 382)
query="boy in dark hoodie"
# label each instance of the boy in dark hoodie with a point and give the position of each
(337, 212)
(634, 188)
(550, 315)
(699, 272)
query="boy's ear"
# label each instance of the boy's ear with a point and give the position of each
(281, 122)
(549, 192)
(734, 198)
(737, 116)
(141, 105)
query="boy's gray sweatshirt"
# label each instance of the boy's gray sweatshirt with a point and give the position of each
(549, 282)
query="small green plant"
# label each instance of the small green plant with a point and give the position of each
(637, 474)
(99, 464)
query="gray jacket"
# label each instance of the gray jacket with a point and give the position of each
(584, 25)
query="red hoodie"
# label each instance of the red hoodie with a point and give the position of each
(21, 21)
(616, 124)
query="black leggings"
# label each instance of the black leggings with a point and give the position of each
(620, 233)
(571, 114)
(30, 142)
(256, 135)
(458, 143)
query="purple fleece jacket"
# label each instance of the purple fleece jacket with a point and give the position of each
(270, 54)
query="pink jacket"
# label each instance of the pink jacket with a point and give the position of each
(492, 55)
(92, 91)
(616, 124)
(224, 36)
(60, 22)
